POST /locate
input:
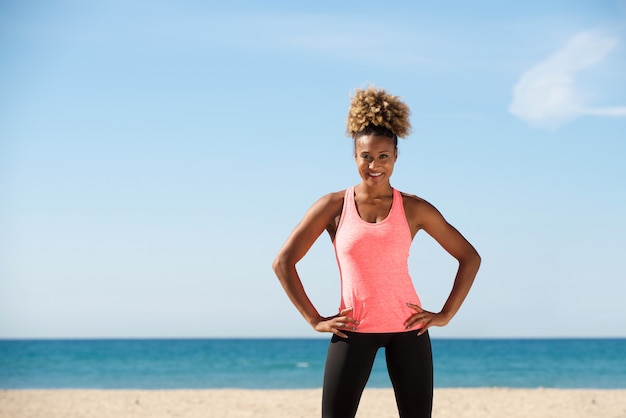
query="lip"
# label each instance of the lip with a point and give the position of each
(375, 175)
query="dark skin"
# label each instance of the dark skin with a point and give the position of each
(375, 157)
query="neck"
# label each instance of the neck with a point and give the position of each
(374, 192)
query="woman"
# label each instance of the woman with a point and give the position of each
(372, 226)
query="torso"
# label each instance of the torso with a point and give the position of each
(374, 210)
(372, 246)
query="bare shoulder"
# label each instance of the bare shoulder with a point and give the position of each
(327, 207)
(331, 202)
(421, 215)
(318, 218)
(415, 203)
(418, 211)
(326, 212)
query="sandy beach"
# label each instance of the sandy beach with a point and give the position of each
(376, 403)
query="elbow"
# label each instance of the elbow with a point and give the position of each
(471, 259)
(284, 265)
(277, 264)
(280, 265)
(475, 260)
(284, 270)
(476, 257)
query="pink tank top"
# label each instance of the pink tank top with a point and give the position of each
(373, 265)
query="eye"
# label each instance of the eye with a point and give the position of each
(366, 157)
(383, 156)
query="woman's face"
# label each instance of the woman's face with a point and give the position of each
(375, 157)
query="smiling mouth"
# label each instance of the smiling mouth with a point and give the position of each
(375, 174)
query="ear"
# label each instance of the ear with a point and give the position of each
(395, 155)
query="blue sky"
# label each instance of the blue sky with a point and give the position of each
(155, 155)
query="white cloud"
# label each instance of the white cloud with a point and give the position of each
(546, 95)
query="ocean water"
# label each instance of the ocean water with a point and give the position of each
(299, 363)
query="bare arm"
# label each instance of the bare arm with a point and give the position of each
(319, 217)
(425, 216)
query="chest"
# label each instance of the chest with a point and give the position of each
(373, 210)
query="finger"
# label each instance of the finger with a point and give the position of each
(422, 319)
(415, 307)
(343, 317)
(348, 321)
(422, 330)
(413, 324)
(345, 311)
(351, 325)
(337, 329)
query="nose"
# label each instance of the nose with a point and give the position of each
(373, 164)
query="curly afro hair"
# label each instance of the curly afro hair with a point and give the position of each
(374, 111)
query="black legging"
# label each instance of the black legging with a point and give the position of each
(349, 364)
